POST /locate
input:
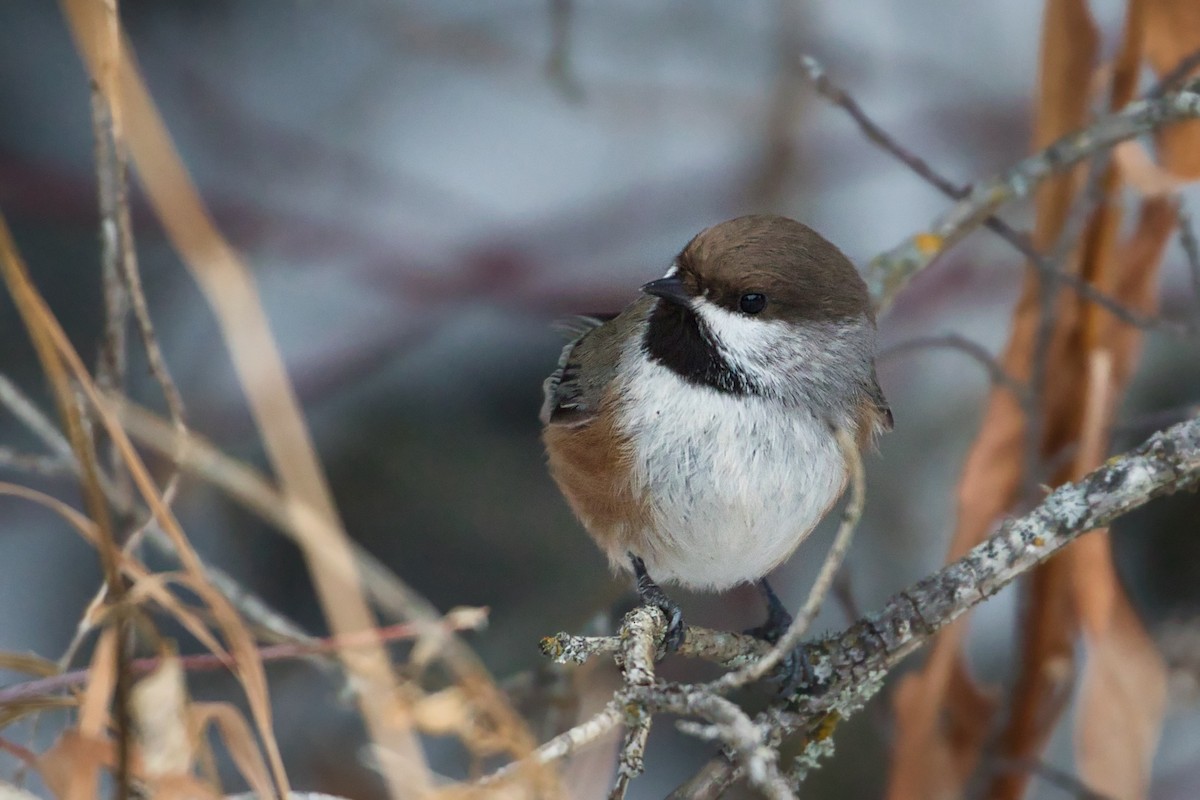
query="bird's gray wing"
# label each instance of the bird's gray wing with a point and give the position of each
(573, 391)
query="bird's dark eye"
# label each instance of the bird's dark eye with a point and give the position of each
(752, 303)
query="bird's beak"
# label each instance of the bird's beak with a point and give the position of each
(671, 289)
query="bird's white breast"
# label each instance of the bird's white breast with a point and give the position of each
(736, 481)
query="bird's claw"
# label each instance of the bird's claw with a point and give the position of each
(651, 594)
(794, 672)
(675, 630)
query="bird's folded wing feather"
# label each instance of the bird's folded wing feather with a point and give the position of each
(886, 420)
(573, 392)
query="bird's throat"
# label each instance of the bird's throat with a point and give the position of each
(674, 338)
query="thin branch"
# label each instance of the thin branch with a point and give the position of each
(566, 743)
(1169, 461)
(254, 608)
(1018, 239)
(1055, 777)
(457, 620)
(890, 271)
(27, 412)
(977, 352)
(730, 650)
(1178, 74)
(559, 68)
(816, 74)
(636, 658)
(34, 463)
(19, 752)
(745, 740)
(115, 242)
(1191, 249)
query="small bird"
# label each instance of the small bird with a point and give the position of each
(694, 434)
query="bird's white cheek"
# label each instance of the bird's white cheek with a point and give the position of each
(747, 342)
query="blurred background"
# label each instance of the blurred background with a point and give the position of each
(422, 188)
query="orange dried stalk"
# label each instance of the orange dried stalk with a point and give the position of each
(943, 718)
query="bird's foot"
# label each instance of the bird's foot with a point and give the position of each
(778, 619)
(651, 594)
(794, 671)
(794, 674)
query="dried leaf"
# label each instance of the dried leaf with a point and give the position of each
(443, 713)
(1142, 173)
(942, 717)
(159, 706)
(230, 291)
(93, 711)
(1122, 696)
(239, 741)
(71, 767)
(13, 711)
(29, 664)
(1172, 33)
(1121, 706)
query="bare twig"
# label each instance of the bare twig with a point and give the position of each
(38, 423)
(1018, 239)
(457, 620)
(567, 742)
(34, 463)
(558, 62)
(247, 602)
(749, 743)
(636, 658)
(892, 270)
(1167, 462)
(1055, 777)
(953, 341)
(816, 74)
(1191, 249)
(1178, 74)
(116, 241)
(730, 650)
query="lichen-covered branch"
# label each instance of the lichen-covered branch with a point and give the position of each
(850, 665)
(874, 132)
(1168, 462)
(890, 271)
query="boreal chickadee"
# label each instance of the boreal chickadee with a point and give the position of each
(694, 433)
